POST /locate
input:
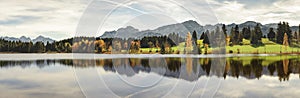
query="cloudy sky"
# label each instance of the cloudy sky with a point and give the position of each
(61, 19)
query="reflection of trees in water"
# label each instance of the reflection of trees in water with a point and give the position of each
(23, 64)
(272, 68)
(257, 67)
(283, 70)
(174, 64)
(235, 68)
(217, 66)
(206, 65)
(185, 68)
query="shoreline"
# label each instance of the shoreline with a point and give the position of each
(60, 56)
(287, 53)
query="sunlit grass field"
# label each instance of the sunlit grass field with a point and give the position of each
(269, 47)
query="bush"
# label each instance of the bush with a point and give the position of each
(230, 51)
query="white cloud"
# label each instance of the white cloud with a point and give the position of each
(44, 16)
(159, 13)
(270, 12)
(60, 18)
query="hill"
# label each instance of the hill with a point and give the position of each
(183, 28)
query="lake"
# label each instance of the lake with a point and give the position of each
(94, 76)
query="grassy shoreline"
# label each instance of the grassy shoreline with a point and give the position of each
(268, 47)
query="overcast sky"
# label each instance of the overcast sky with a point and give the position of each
(60, 19)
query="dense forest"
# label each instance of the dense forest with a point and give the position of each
(283, 35)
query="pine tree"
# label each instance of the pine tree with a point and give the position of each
(224, 30)
(295, 36)
(298, 40)
(280, 34)
(195, 45)
(254, 38)
(289, 32)
(281, 30)
(162, 49)
(39, 47)
(202, 36)
(246, 32)
(237, 36)
(232, 36)
(271, 34)
(30, 47)
(256, 35)
(48, 47)
(206, 39)
(194, 37)
(258, 32)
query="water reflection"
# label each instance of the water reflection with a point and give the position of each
(190, 69)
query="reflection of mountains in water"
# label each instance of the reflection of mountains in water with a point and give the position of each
(189, 69)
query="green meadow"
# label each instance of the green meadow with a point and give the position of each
(268, 47)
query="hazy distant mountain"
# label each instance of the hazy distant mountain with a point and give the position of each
(10, 38)
(183, 28)
(180, 28)
(43, 39)
(27, 39)
(127, 32)
(24, 39)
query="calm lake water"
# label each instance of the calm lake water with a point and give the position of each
(54, 77)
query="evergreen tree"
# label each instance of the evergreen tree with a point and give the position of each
(246, 32)
(206, 39)
(256, 35)
(234, 38)
(39, 47)
(30, 47)
(238, 37)
(48, 47)
(258, 32)
(194, 36)
(224, 30)
(162, 49)
(195, 45)
(271, 34)
(211, 36)
(288, 32)
(298, 40)
(281, 30)
(202, 36)
(280, 33)
(254, 38)
(295, 35)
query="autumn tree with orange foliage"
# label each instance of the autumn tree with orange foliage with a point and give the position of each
(188, 43)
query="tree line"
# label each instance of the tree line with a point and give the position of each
(159, 44)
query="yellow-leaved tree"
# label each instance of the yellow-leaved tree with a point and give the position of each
(188, 43)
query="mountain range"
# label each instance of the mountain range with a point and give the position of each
(179, 28)
(27, 39)
(183, 28)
